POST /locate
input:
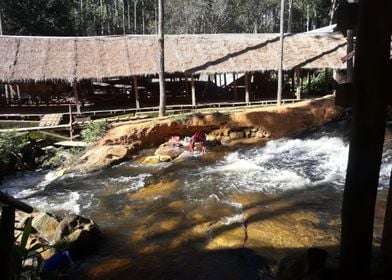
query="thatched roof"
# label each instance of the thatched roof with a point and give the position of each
(78, 58)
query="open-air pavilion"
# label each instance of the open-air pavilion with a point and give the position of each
(235, 60)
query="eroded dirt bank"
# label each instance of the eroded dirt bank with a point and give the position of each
(252, 125)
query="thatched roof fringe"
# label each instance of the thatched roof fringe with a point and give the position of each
(75, 59)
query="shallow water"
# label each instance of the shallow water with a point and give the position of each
(156, 217)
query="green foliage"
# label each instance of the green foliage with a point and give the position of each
(103, 17)
(94, 131)
(10, 143)
(322, 82)
(62, 157)
(38, 17)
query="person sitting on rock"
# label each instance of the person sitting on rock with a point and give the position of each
(198, 137)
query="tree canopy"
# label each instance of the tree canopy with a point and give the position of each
(110, 17)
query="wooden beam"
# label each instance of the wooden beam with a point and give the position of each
(136, 91)
(193, 91)
(224, 80)
(371, 85)
(247, 88)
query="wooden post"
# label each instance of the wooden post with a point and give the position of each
(7, 94)
(76, 95)
(247, 88)
(7, 242)
(70, 122)
(162, 96)
(371, 86)
(18, 92)
(193, 91)
(12, 91)
(136, 91)
(280, 56)
(309, 82)
(225, 80)
(298, 90)
(235, 87)
(215, 79)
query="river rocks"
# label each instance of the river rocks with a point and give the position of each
(72, 231)
(155, 191)
(46, 225)
(100, 157)
(238, 127)
(170, 150)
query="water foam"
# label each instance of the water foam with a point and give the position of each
(283, 164)
(66, 202)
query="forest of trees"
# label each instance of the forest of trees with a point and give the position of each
(110, 17)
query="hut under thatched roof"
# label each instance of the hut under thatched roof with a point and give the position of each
(79, 58)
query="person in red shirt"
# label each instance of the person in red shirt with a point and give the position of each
(199, 136)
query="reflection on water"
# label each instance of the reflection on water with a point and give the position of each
(284, 195)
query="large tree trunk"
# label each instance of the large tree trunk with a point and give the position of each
(290, 20)
(135, 16)
(123, 16)
(332, 11)
(143, 18)
(162, 96)
(280, 69)
(371, 77)
(1, 18)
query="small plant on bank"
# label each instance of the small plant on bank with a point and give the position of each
(94, 131)
(62, 157)
(10, 143)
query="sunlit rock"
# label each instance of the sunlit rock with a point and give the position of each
(154, 191)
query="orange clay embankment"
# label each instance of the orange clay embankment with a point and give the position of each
(237, 127)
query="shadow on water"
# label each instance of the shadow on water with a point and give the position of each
(173, 245)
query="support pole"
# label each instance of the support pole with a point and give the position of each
(162, 96)
(7, 242)
(70, 122)
(7, 94)
(76, 95)
(136, 91)
(280, 56)
(18, 92)
(298, 90)
(193, 91)
(371, 78)
(225, 80)
(247, 88)
(235, 87)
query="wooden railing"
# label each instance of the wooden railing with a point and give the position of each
(7, 235)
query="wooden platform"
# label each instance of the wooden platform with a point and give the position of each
(51, 120)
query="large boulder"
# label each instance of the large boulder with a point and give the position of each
(101, 157)
(45, 224)
(76, 232)
(170, 149)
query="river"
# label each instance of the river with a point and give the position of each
(194, 218)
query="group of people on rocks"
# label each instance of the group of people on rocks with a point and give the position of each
(198, 137)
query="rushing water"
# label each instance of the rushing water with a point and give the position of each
(309, 168)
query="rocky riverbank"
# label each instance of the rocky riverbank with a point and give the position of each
(248, 126)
